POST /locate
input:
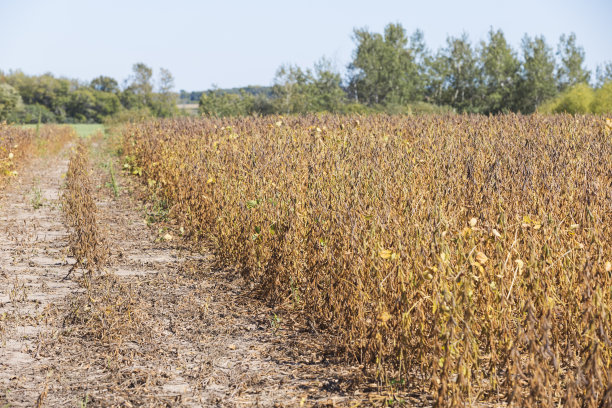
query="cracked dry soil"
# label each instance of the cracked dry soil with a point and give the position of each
(160, 326)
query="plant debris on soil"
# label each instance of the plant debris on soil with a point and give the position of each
(161, 325)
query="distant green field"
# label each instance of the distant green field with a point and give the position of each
(83, 130)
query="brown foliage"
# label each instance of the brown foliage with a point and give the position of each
(17, 144)
(87, 243)
(470, 250)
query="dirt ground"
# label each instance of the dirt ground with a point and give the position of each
(161, 326)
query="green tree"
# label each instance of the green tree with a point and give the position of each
(437, 74)
(602, 100)
(45, 90)
(104, 84)
(500, 67)
(218, 103)
(384, 68)
(537, 83)
(455, 75)
(10, 101)
(311, 90)
(164, 102)
(106, 104)
(420, 54)
(141, 83)
(131, 100)
(603, 74)
(290, 89)
(571, 70)
(81, 105)
(326, 90)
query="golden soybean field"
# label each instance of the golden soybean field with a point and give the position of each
(468, 254)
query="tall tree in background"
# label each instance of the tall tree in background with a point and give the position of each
(500, 67)
(457, 76)
(571, 60)
(537, 82)
(140, 87)
(420, 56)
(289, 89)
(326, 90)
(164, 103)
(299, 91)
(383, 69)
(603, 74)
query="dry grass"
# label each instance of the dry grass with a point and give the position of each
(467, 252)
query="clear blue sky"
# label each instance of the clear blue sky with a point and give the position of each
(236, 43)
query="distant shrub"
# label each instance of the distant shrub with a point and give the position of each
(581, 99)
(128, 116)
(576, 99)
(602, 100)
(31, 113)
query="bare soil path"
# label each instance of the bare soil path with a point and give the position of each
(32, 265)
(162, 326)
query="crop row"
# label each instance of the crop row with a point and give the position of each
(86, 241)
(467, 253)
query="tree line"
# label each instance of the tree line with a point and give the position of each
(397, 73)
(46, 98)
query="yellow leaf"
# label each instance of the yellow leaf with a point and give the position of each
(481, 258)
(384, 317)
(473, 222)
(385, 254)
(608, 266)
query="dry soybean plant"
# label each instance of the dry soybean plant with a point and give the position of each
(18, 144)
(469, 253)
(14, 145)
(108, 311)
(87, 243)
